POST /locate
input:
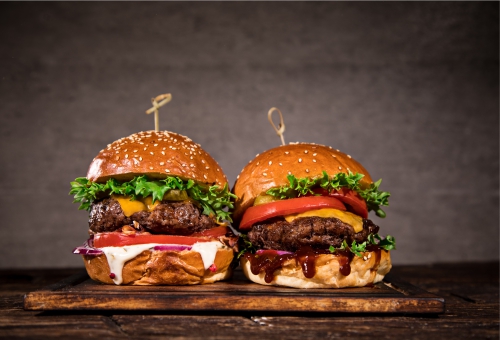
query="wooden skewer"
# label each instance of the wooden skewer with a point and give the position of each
(281, 130)
(164, 99)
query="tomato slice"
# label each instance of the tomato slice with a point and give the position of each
(286, 207)
(355, 202)
(213, 232)
(118, 239)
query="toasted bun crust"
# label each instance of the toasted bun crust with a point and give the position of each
(157, 155)
(270, 169)
(363, 272)
(163, 268)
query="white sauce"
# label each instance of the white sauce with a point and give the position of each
(207, 251)
(118, 256)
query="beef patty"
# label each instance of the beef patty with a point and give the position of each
(316, 232)
(173, 218)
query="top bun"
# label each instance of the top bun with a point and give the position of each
(156, 155)
(271, 168)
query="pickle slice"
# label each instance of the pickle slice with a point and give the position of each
(263, 199)
(176, 195)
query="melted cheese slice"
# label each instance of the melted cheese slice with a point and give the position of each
(131, 207)
(354, 220)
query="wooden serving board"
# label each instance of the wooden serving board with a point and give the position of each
(79, 292)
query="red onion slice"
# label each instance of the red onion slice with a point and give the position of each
(88, 248)
(174, 247)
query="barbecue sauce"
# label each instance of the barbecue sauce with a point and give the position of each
(269, 260)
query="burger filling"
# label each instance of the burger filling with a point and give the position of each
(310, 217)
(173, 218)
(314, 232)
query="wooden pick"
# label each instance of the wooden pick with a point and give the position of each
(163, 99)
(281, 130)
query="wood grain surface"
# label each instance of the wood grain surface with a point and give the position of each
(470, 291)
(78, 292)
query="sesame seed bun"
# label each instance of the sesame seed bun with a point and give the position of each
(156, 155)
(271, 168)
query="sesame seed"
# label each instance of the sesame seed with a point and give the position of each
(337, 150)
(280, 164)
(305, 151)
(152, 153)
(258, 163)
(135, 150)
(163, 153)
(166, 170)
(203, 161)
(155, 144)
(151, 168)
(126, 155)
(286, 152)
(191, 157)
(289, 172)
(205, 176)
(145, 148)
(183, 165)
(162, 163)
(218, 170)
(334, 156)
(125, 150)
(140, 158)
(270, 162)
(117, 152)
(191, 165)
(340, 168)
(207, 167)
(264, 174)
(300, 160)
(174, 148)
(314, 160)
(314, 154)
(348, 156)
(307, 170)
(117, 157)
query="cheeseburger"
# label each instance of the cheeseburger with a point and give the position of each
(157, 207)
(303, 211)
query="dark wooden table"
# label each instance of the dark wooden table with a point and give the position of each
(469, 289)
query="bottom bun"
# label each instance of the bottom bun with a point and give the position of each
(363, 272)
(163, 268)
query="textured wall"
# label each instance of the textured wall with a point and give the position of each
(409, 89)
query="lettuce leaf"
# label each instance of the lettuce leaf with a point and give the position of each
(301, 186)
(214, 200)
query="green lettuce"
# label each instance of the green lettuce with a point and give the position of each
(302, 186)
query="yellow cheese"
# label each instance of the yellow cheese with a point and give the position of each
(131, 207)
(354, 220)
(148, 201)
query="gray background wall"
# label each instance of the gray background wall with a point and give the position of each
(409, 89)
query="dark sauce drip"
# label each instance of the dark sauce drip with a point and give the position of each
(269, 260)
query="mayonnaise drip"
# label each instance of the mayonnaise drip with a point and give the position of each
(118, 256)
